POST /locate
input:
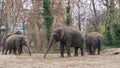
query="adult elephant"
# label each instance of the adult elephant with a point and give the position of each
(67, 36)
(94, 41)
(16, 42)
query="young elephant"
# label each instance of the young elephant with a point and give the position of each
(67, 36)
(94, 40)
(6, 36)
(16, 42)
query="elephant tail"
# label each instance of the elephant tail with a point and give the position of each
(101, 41)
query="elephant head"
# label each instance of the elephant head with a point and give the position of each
(56, 36)
(24, 41)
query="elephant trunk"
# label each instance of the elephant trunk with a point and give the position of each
(27, 45)
(52, 41)
(29, 50)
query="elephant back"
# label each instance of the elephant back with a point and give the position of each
(67, 28)
(13, 38)
(94, 37)
(73, 29)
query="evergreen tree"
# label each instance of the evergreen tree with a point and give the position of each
(48, 17)
(68, 15)
(109, 20)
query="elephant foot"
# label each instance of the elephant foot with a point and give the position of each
(89, 54)
(76, 55)
(62, 56)
(15, 53)
(69, 56)
(82, 54)
(92, 54)
(2, 53)
(19, 54)
(98, 53)
(5, 53)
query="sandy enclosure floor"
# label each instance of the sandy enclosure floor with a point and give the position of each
(105, 60)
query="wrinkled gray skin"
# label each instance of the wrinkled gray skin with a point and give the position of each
(15, 43)
(94, 41)
(67, 36)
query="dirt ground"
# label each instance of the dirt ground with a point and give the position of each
(105, 60)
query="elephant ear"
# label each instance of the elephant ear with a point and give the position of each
(58, 33)
(61, 33)
(23, 40)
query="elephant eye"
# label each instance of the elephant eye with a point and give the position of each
(55, 35)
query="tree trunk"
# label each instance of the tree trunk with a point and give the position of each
(79, 23)
(95, 15)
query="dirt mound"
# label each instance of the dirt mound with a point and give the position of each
(113, 51)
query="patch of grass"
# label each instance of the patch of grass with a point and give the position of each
(107, 47)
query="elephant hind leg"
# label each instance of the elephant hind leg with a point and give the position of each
(68, 51)
(93, 50)
(98, 52)
(90, 50)
(10, 51)
(99, 49)
(76, 51)
(14, 51)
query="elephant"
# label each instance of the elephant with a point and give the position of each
(8, 35)
(67, 36)
(94, 41)
(16, 42)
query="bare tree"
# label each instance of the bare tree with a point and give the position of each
(95, 15)
(79, 23)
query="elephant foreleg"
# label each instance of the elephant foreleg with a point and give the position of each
(68, 49)
(19, 52)
(81, 49)
(3, 51)
(6, 51)
(62, 49)
(10, 51)
(76, 51)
